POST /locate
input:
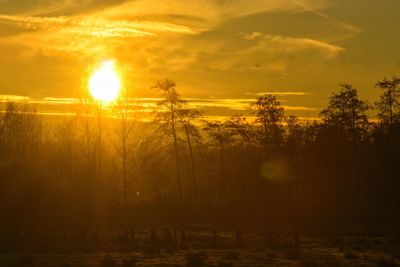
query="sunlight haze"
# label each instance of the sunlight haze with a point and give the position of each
(224, 49)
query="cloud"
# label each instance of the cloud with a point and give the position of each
(92, 26)
(289, 93)
(265, 53)
(251, 35)
(196, 43)
(275, 53)
(237, 104)
(292, 43)
(13, 98)
(347, 30)
(212, 10)
(211, 106)
(53, 7)
(104, 31)
(84, 35)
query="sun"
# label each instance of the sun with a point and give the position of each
(104, 84)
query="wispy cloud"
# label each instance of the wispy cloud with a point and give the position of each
(275, 53)
(92, 25)
(13, 98)
(280, 93)
(84, 34)
(54, 7)
(128, 19)
(347, 30)
(156, 38)
(145, 104)
(293, 43)
(213, 11)
(62, 27)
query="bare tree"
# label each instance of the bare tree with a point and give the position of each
(85, 117)
(221, 136)
(240, 127)
(186, 117)
(21, 130)
(99, 113)
(91, 114)
(169, 106)
(123, 132)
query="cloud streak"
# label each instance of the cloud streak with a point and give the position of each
(212, 11)
(53, 7)
(84, 35)
(279, 93)
(197, 43)
(96, 26)
(290, 44)
(145, 104)
(274, 53)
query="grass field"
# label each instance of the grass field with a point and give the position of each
(163, 247)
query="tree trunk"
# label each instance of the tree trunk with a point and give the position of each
(177, 160)
(99, 144)
(191, 163)
(124, 172)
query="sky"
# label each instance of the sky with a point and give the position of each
(221, 53)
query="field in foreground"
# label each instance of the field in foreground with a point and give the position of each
(162, 247)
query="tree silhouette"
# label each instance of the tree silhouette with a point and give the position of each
(186, 117)
(221, 137)
(346, 111)
(21, 130)
(389, 102)
(341, 169)
(241, 128)
(87, 132)
(270, 114)
(170, 105)
(124, 131)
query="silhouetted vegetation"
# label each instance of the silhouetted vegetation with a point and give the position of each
(71, 179)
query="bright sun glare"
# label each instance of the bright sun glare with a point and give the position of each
(104, 85)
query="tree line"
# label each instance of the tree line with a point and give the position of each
(105, 161)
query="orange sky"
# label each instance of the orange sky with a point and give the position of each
(222, 52)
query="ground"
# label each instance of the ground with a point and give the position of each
(165, 247)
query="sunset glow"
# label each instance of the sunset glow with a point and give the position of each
(199, 133)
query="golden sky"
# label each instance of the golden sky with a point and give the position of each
(218, 51)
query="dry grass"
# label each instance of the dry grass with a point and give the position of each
(313, 252)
